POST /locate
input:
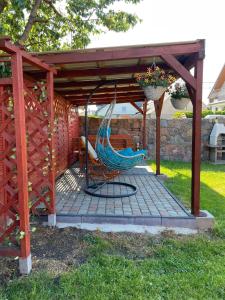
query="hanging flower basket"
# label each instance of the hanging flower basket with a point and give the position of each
(179, 96)
(180, 103)
(154, 82)
(154, 92)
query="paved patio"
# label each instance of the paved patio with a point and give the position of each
(152, 205)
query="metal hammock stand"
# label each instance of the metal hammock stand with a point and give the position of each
(114, 160)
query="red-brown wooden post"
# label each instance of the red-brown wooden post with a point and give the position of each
(50, 91)
(144, 138)
(21, 156)
(196, 140)
(68, 134)
(158, 108)
(2, 165)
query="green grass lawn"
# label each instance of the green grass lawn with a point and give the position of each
(129, 266)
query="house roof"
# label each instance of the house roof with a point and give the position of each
(218, 84)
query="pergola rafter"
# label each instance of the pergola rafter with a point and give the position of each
(134, 88)
(91, 83)
(138, 94)
(103, 100)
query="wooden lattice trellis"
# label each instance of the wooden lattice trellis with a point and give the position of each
(40, 157)
(33, 146)
(39, 154)
(39, 150)
(66, 133)
(74, 133)
(9, 206)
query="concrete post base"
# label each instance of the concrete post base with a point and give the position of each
(25, 265)
(162, 177)
(206, 221)
(52, 220)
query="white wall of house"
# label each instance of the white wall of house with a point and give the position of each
(217, 94)
(217, 99)
(221, 93)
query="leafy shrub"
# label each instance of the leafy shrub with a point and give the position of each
(206, 112)
(220, 112)
(189, 114)
(179, 115)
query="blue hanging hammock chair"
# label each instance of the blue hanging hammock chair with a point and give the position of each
(115, 160)
(121, 160)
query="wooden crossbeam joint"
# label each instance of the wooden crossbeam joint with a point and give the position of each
(137, 107)
(180, 69)
(7, 46)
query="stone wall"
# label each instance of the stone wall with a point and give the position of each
(176, 135)
(131, 126)
(176, 139)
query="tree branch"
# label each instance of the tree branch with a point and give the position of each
(3, 4)
(49, 2)
(30, 22)
(40, 20)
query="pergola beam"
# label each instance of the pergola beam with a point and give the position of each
(111, 54)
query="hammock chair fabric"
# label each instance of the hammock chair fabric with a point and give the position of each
(115, 160)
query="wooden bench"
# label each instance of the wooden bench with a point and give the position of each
(118, 142)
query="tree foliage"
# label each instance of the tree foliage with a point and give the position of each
(59, 24)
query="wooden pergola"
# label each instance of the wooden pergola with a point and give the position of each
(73, 75)
(80, 71)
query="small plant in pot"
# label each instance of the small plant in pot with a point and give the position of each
(179, 96)
(154, 82)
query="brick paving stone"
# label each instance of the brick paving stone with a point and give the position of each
(152, 199)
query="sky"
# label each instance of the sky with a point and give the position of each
(176, 20)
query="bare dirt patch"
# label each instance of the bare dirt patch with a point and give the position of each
(53, 250)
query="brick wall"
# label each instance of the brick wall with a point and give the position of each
(176, 135)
